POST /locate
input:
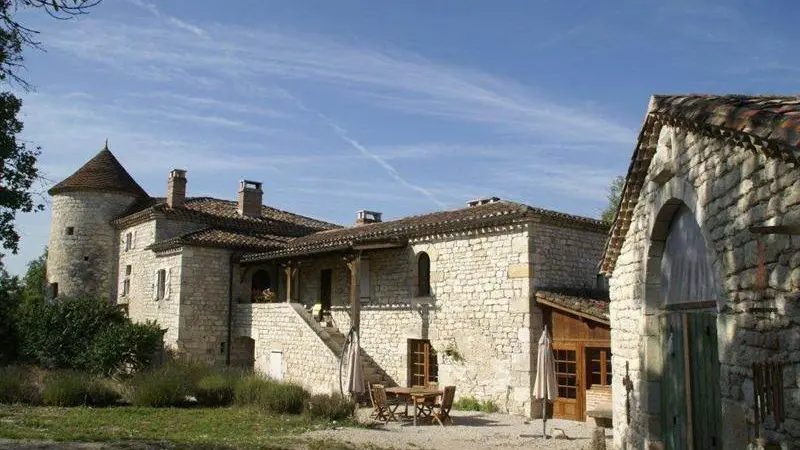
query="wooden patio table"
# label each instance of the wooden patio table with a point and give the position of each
(419, 396)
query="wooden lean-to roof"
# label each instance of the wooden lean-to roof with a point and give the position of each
(765, 124)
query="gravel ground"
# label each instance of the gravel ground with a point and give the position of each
(472, 430)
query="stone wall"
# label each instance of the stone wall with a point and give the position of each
(203, 332)
(144, 264)
(481, 306)
(565, 257)
(277, 327)
(84, 262)
(728, 190)
(598, 398)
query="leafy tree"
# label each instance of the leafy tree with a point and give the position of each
(17, 160)
(614, 194)
(10, 295)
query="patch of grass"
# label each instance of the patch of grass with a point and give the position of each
(473, 404)
(168, 385)
(222, 428)
(330, 407)
(17, 386)
(69, 388)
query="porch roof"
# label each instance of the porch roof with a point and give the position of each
(396, 232)
(217, 238)
(592, 304)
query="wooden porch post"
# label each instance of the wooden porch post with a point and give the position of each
(354, 264)
(291, 270)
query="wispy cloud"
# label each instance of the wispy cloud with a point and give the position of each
(390, 79)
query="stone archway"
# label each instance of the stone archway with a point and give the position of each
(681, 294)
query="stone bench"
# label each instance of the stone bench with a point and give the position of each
(601, 416)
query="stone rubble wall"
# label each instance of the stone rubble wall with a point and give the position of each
(204, 291)
(142, 305)
(729, 189)
(565, 257)
(277, 327)
(84, 263)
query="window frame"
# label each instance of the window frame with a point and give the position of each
(128, 241)
(161, 284)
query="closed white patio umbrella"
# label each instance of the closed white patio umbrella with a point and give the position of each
(355, 376)
(545, 388)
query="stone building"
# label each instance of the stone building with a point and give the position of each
(454, 297)
(704, 265)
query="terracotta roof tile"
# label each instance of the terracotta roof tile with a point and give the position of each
(101, 173)
(585, 302)
(771, 122)
(210, 237)
(486, 215)
(223, 214)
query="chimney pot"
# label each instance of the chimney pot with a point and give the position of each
(364, 217)
(250, 198)
(176, 188)
(483, 201)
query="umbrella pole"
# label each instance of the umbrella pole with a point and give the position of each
(544, 418)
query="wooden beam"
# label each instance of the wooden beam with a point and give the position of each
(379, 245)
(571, 311)
(700, 304)
(777, 229)
(354, 264)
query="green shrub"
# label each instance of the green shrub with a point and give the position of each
(17, 386)
(473, 404)
(331, 407)
(127, 347)
(216, 389)
(273, 396)
(69, 388)
(168, 385)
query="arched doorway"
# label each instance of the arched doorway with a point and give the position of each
(681, 264)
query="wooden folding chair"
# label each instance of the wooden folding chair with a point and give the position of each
(382, 408)
(441, 412)
(375, 410)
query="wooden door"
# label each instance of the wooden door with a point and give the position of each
(276, 365)
(569, 375)
(704, 363)
(690, 400)
(326, 289)
(423, 367)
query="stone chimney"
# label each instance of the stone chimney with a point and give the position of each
(176, 188)
(250, 195)
(483, 201)
(364, 217)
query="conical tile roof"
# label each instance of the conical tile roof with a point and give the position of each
(101, 173)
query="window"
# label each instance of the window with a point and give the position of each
(566, 373)
(70, 231)
(161, 284)
(128, 270)
(53, 290)
(128, 241)
(423, 366)
(125, 287)
(423, 275)
(599, 366)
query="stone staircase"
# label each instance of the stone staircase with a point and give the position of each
(335, 341)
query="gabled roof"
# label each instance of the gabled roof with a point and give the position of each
(223, 214)
(210, 237)
(766, 124)
(101, 173)
(486, 215)
(589, 303)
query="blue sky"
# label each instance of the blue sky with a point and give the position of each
(400, 107)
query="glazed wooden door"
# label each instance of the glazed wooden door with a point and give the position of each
(423, 367)
(569, 376)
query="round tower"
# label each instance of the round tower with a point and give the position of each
(83, 250)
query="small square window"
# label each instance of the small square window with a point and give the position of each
(53, 290)
(86, 258)
(70, 231)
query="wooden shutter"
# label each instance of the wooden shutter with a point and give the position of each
(155, 285)
(167, 277)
